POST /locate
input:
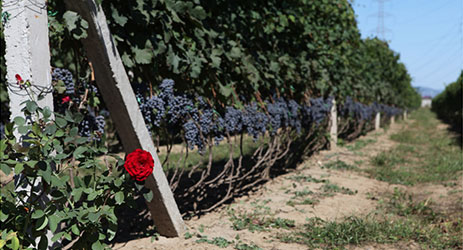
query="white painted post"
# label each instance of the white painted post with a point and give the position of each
(334, 125)
(114, 85)
(405, 115)
(392, 119)
(377, 121)
(27, 54)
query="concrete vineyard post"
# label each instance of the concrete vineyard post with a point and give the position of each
(377, 121)
(334, 125)
(27, 55)
(114, 85)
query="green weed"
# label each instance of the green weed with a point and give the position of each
(218, 241)
(305, 178)
(224, 243)
(358, 162)
(406, 148)
(387, 159)
(360, 144)
(329, 189)
(306, 201)
(302, 193)
(244, 246)
(425, 154)
(402, 219)
(201, 228)
(354, 230)
(402, 204)
(260, 219)
(188, 235)
(406, 136)
(341, 142)
(339, 165)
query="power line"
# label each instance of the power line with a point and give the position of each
(427, 42)
(443, 61)
(444, 65)
(434, 10)
(437, 45)
(442, 71)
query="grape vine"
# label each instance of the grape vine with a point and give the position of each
(199, 122)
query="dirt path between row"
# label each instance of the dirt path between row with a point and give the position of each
(334, 194)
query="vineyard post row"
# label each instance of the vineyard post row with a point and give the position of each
(113, 82)
(27, 57)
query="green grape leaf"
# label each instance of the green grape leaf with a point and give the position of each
(37, 214)
(148, 196)
(53, 222)
(119, 197)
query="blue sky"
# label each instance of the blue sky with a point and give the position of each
(428, 35)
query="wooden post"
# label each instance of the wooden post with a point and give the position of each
(334, 125)
(27, 54)
(377, 121)
(114, 85)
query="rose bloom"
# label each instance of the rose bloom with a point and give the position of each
(65, 99)
(18, 78)
(139, 164)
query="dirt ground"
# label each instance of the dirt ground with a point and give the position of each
(275, 194)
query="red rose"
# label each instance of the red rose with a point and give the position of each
(65, 99)
(18, 78)
(139, 164)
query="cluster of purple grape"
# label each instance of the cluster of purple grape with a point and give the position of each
(92, 125)
(59, 74)
(198, 120)
(233, 120)
(319, 109)
(99, 125)
(278, 114)
(364, 112)
(193, 135)
(86, 126)
(254, 120)
(389, 110)
(294, 117)
(2, 130)
(152, 109)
